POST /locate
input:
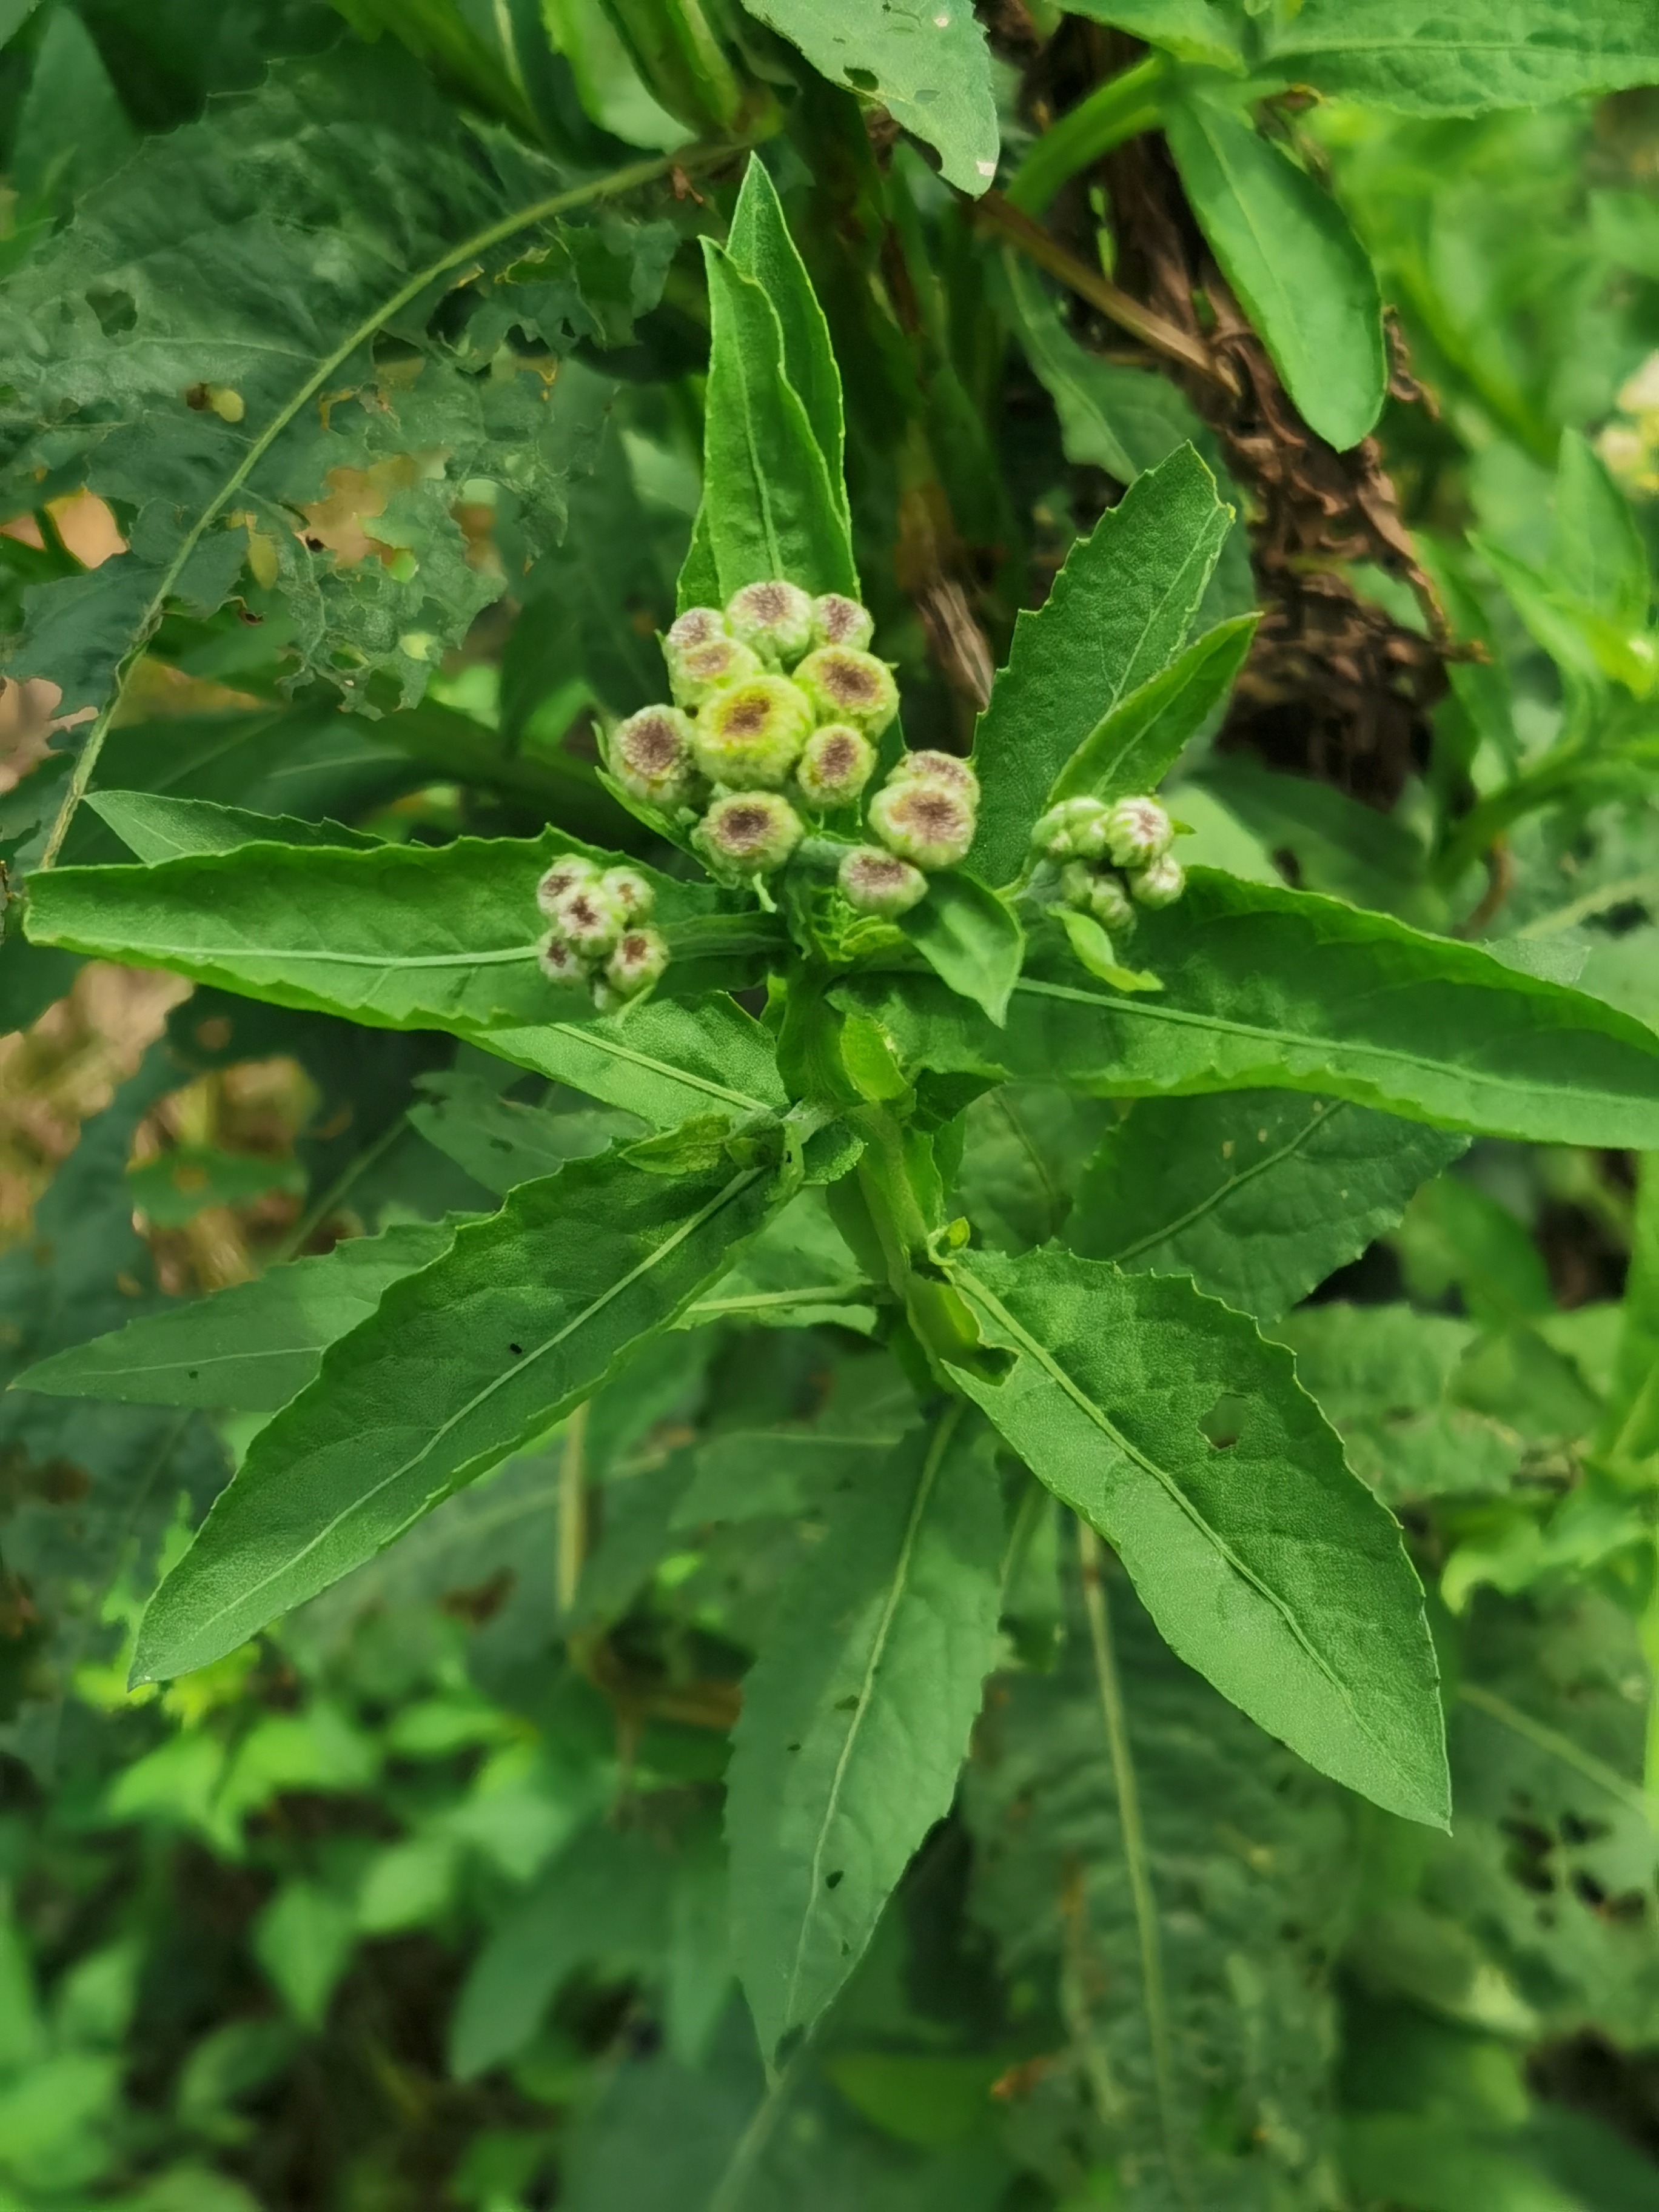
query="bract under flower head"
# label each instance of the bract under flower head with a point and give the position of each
(923, 820)
(589, 919)
(1096, 891)
(639, 961)
(702, 672)
(1138, 831)
(631, 891)
(749, 832)
(559, 963)
(848, 686)
(1160, 883)
(835, 765)
(874, 882)
(697, 626)
(1073, 830)
(650, 756)
(775, 617)
(750, 736)
(837, 620)
(942, 768)
(567, 872)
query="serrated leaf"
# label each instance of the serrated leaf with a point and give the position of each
(153, 828)
(1290, 254)
(931, 71)
(856, 1716)
(1259, 1195)
(252, 1346)
(502, 1142)
(1425, 58)
(971, 938)
(196, 276)
(1118, 612)
(1263, 986)
(1134, 747)
(524, 1316)
(664, 1061)
(1184, 1439)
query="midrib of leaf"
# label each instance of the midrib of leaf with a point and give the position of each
(541, 210)
(1052, 1193)
(1264, 249)
(1052, 1368)
(660, 1066)
(896, 1589)
(773, 554)
(733, 1189)
(1217, 1197)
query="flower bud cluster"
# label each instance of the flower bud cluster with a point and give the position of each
(601, 938)
(1111, 858)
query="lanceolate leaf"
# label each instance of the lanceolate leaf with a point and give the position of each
(252, 1346)
(971, 938)
(1186, 1441)
(664, 1061)
(398, 936)
(1134, 748)
(1257, 1194)
(855, 1718)
(153, 828)
(1288, 250)
(524, 1316)
(1428, 58)
(1119, 612)
(1285, 988)
(931, 70)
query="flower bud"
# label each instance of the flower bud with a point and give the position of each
(837, 620)
(589, 919)
(558, 962)
(632, 893)
(775, 618)
(703, 671)
(1138, 830)
(835, 765)
(1160, 883)
(1096, 891)
(752, 734)
(923, 820)
(942, 767)
(650, 756)
(697, 626)
(874, 882)
(848, 686)
(1073, 830)
(641, 956)
(749, 832)
(567, 873)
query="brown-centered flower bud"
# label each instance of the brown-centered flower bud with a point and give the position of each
(748, 833)
(638, 963)
(632, 892)
(775, 617)
(1096, 891)
(925, 821)
(559, 963)
(837, 620)
(874, 882)
(589, 919)
(1160, 883)
(703, 670)
(1073, 830)
(834, 766)
(567, 872)
(651, 756)
(750, 736)
(848, 686)
(697, 626)
(942, 767)
(1138, 831)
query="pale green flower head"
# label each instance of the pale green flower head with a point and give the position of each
(835, 765)
(567, 873)
(558, 961)
(1160, 883)
(1096, 891)
(638, 963)
(589, 919)
(923, 820)
(874, 882)
(651, 756)
(632, 892)
(942, 768)
(1073, 830)
(697, 627)
(702, 672)
(848, 686)
(750, 736)
(837, 620)
(775, 619)
(748, 833)
(1138, 831)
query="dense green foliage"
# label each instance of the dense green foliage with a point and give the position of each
(893, 1498)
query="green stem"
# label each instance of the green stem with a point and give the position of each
(481, 241)
(1136, 1861)
(751, 2144)
(1120, 108)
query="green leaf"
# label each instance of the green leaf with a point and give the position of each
(524, 1316)
(1024, 1151)
(1597, 555)
(197, 272)
(1259, 1195)
(769, 507)
(664, 1061)
(1191, 30)
(396, 936)
(1288, 253)
(252, 1346)
(1425, 58)
(971, 938)
(1118, 612)
(1134, 747)
(931, 70)
(159, 829)
(856, 1717)
(502, 1142)
(1184, 1439)
(1284, 988)
(795, 1274)
(1095, 950)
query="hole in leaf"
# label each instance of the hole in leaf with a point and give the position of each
(834, 1880)
(865, 80)
(116, 310)
(847, 1704)
(1225, 1422)
(517, 1349)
